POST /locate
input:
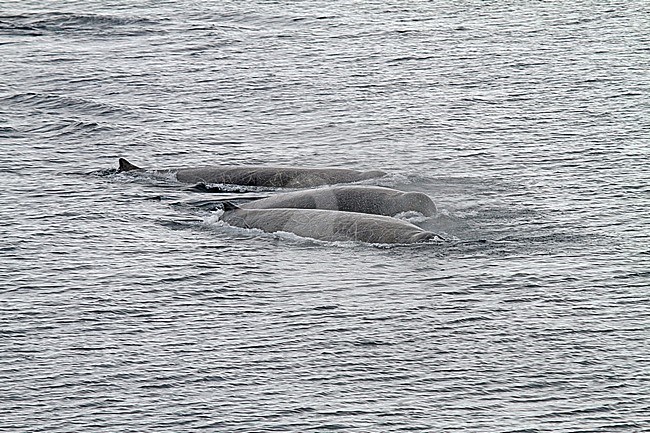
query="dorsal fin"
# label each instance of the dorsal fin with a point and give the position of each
(228, 205)
(126, 166)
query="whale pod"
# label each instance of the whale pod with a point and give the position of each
(350, 198)
(289, 177)
(328, 225)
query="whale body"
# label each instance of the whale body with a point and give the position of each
(329, 225)
(287, 177)
(350, 198)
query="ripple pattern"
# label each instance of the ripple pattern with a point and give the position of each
(122, 309)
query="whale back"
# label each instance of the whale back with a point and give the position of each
(329, 225)
(352, 198)
(282, 177)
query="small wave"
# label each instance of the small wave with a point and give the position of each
(103, 172)
(6, 131)
(41, 23)
(410, 59)
(225, 188)
(57, 102)
(412, 217)
(69, 128)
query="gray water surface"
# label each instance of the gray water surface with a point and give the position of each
(528, 123)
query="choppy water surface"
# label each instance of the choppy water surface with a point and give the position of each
(122, 309)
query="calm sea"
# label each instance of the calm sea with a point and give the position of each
(124, 309)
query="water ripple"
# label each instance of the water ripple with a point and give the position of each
(123, 310)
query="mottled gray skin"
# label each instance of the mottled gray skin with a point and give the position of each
(263, 176)
(274, 176)
(328, 225)
(350, 198)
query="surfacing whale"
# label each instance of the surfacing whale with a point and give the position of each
(350, 198)
(328, 225)
(262, 176)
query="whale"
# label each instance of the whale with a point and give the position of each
(282, 177)
(350, 198)
(328, 225)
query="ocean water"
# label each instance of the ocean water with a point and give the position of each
(123, 308)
